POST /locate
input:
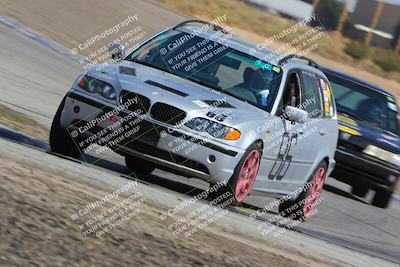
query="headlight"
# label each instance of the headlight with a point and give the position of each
(108, 92)
(382, 154)
(198, 124)
(217, 130)
(214, 129)
(93, 85)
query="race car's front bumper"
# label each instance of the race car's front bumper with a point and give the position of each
(174, 149)
(354, 168)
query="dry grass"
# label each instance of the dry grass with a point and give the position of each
(19, 122)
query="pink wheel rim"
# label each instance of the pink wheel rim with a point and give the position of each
(314, 192)
(247, 175)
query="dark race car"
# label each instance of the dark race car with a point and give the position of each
(367, 156)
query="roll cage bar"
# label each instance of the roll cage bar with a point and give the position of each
(194, 21)
(293, 57)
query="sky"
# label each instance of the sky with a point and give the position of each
(354, 2)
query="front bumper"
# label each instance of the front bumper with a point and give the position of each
(353, 168)
(174, 149)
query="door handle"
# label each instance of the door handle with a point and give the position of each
(322, 132)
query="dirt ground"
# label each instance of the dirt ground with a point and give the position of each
(37, 230)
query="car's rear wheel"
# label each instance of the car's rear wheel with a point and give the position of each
(382, 198)
(60, 139)
(304, 206)
(243, 178)
(139, 165)
(359, 190)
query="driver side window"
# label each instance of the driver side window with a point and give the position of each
(291, 94)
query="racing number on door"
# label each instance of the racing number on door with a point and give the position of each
(284, 158)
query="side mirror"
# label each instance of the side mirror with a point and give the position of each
(295, 114)
(117, 51)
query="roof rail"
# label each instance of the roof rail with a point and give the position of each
(193, 21)
(285, 60)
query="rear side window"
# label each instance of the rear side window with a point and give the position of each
(325, 89)
(311, 100)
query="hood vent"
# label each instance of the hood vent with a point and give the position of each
(127, 71)
(218, 104)
(166, 88)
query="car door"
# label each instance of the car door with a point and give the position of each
(310, 134)
(277, 173)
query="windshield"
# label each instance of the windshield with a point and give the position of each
(212, 64)
(365, 104)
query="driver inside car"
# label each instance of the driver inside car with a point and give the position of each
(290, 95)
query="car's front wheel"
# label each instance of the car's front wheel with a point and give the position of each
(242, 180)
(60, 139)
(304, 206)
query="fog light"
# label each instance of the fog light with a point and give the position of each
(211, 158)
(76, 109)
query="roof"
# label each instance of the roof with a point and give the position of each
(355, 80)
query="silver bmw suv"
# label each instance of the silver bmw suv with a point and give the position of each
(200, 102)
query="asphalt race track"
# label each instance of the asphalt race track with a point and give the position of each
(34, 79)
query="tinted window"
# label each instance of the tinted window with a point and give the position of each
(365, 104)
(291, 94)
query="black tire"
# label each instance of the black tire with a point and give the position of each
(139, 165)
(382, 198)
(359, 190)
(60, 140)
(294, 209)
(228, 192)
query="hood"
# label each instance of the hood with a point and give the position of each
(161, 86)
(367, 133)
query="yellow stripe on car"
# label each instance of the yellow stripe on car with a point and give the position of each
(347, 121)
(349, 130)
